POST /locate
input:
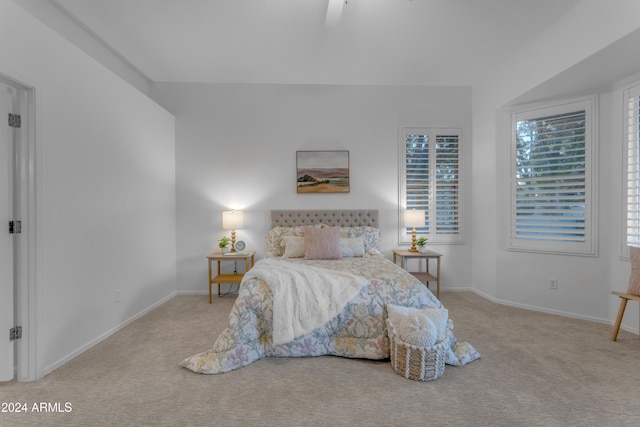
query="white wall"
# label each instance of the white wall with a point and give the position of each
(236, 148)
(567, 70)
(105, 196)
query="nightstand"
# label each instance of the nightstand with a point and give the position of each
(220, 279)
(425, 277)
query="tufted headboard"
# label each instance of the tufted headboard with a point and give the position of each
(340, 217)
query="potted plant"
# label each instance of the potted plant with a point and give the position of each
(421, 243)
(223, 244)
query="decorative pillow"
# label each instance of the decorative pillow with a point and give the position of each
(275, 239)
(353, 247)
(300, 229)
(322, 243)
(293, 247)
(417, 329)
(439, 317)
(464, 352)
(634, 278)
(370, 235)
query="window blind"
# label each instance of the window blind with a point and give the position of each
(551, 200)
(632, 134)
(447, 206)
(550, 190)
(417, 173)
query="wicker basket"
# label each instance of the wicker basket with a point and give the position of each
(417, 363)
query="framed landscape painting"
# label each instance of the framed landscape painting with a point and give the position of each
(322, 171)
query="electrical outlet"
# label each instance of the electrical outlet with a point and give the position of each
(553, 284)
(117, 295)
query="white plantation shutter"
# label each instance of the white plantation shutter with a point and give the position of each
(551, 188)
(447, 173)
(417, 175)
(430, 180)
(632, 136)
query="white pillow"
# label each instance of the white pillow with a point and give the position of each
(353, 247)
(293, 247)
(417, 329)
(370, 235)
(439, 317)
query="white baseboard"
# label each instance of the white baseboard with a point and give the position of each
(192, 292)
(87, 346)
(229, 290)
(456, 289)
(549, 311)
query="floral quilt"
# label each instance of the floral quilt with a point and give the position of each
(358, 331)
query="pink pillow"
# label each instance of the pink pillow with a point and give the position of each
(322, 243)
(634, 278)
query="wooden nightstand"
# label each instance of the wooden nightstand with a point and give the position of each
(247, 256)
(425, 277)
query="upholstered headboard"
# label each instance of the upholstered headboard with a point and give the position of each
(341, 217)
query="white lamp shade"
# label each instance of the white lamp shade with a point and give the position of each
(414, 218)
(232, 220)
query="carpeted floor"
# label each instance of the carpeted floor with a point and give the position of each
(536, 370)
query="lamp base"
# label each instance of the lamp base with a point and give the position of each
(413, 241)
(233, 241)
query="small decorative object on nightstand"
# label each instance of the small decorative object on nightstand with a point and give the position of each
(425, 277)
(223, 244)
(240, 245)
(421, 243)
(226, 279)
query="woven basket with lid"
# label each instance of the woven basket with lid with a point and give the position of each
(414, 362)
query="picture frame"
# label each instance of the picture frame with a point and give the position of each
(322, 171)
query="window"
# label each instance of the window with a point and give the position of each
(631, 134)
(552, 171)
(431, 180)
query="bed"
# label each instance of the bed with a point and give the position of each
(307, 298)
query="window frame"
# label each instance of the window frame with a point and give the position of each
(404, 233)
(588, 247)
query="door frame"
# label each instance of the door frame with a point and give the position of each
(28, 304)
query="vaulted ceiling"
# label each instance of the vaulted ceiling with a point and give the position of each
(396, 42)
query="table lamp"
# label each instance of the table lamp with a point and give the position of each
(232, 220)
(414, 219)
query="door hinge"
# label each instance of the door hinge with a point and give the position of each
(14, 120)
(15, 227)
(15, 333)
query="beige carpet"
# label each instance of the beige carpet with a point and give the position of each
(536, 370)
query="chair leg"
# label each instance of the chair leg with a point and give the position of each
(616, 328)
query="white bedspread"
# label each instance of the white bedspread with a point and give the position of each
(304, 297)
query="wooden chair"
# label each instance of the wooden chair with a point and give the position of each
(624, 298)
(633, 291)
